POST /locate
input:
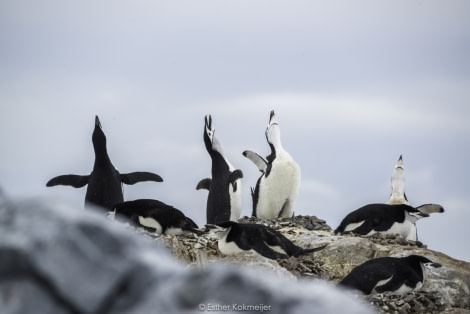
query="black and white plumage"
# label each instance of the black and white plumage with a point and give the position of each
(235, 238)
(105, 182)
(155, 216)
(389, 274)
(276, 191)
(398, 196)
(224, 201)
(388, 219)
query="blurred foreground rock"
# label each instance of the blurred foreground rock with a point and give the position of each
(56, 259)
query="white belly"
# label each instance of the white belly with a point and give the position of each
(151, 223)
(235, 201)
(228, 248)
(406, 229)
(279, 189)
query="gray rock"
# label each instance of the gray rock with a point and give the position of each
(57, 259)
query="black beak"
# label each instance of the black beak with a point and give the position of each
(97, 122)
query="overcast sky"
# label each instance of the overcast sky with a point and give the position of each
(354, 84)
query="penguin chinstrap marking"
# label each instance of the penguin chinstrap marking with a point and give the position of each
(105, 182)
(235, 238)
(277, 189)
(224, 201)
(155, 216)
(398, 196)
(389, 274)
(388, 219)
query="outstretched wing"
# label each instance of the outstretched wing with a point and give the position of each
(257, 160)
(204, 184)
(69, 179)
(134, 177)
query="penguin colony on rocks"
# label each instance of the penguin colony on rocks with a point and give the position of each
(274, 196)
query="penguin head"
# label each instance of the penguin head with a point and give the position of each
(399, 163)
(273, 132)
(189, 223)
(211, 141)
(423, 261)
(98, 137)
(221, 229)
(398, 196)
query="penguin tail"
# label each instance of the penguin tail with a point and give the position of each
(307, 251)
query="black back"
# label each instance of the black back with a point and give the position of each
(105, 182)
(218, 200)
(405, 270)
(166, 215)
(259, 237)
(378, 217)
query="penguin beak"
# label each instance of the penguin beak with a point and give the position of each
(212, 227)
(272, 119)
(432, 265)
(97, 122)
(217, 230)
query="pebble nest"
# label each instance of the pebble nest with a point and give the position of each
(412, 302)
(306, 222)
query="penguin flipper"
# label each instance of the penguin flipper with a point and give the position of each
(204, 184)
(134, 177)
(271, 252)
(69, 179)
(257, 160)
(235, 175)
(308, 251)
(430, 208)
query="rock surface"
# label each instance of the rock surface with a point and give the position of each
(445, 289)
(57, 259)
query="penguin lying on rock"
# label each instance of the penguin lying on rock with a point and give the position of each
(388, 219)
(156, 217)
(105, 182)
(237, 237)
(389, 274)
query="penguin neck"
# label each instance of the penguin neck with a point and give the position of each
(101, 154)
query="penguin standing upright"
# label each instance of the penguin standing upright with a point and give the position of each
(224, 201)
(277, 189)
(389, 274)
(105, 182)
(398, 196)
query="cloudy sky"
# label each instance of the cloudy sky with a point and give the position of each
(354, 84)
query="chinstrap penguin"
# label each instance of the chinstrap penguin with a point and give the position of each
(388, 219)
(398, 196)
(156, 217)
(236, 237)
(105, 182)
(389, 274)
(224, 200)
(277, 189)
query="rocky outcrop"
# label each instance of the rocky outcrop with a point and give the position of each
(66, 260)
(57, 259)
(444, 289)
